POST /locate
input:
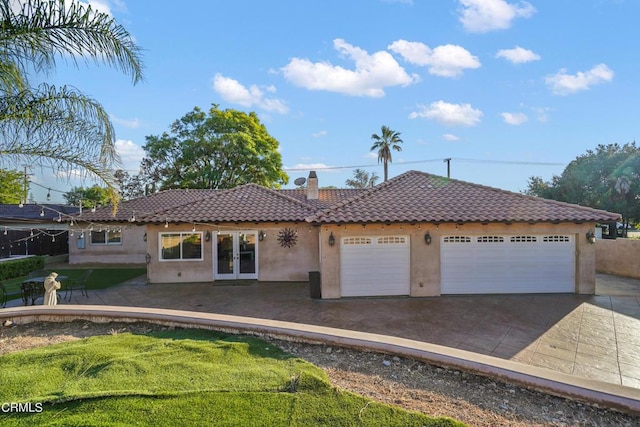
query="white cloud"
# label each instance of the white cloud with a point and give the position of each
(514, 118)
(450, 137)
(481, 16)
(445, 61)
(371, 75)
(319, 134)
(518, 55)
(562, 83)
(449, 114)
(128, 123)
(233, 91)
(372, 155)
(131, 154)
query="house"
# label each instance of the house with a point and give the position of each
(34, 229)
(417, 234)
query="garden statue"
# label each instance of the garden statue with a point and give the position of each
(51, 285)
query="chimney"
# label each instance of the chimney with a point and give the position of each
(312, 186)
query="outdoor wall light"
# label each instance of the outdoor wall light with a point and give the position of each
(207, 236)
(261, 235)
(427, 238)
(591, 237)
(332, 240)
(145, 236)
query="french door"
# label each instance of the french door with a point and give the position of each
(236, 255)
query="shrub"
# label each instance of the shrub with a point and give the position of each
(20, 267)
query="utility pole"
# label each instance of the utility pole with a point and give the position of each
(25, 186)
(448, 162)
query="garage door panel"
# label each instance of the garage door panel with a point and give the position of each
(375, 266)
(507, 264)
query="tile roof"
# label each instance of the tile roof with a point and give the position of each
(417, 196)
(31, 212)
(410, 197)
(145, 205)
(247, 203)
(327, 197)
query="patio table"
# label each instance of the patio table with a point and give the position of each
(33, 288)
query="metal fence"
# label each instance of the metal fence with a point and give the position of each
(33, 242)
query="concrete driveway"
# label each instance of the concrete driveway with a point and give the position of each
(589, 336)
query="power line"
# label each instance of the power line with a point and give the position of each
(448, 159)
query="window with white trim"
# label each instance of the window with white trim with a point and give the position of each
(457, 239)
(524, 239)
(180, 246)
(106, 237)
(490, 239)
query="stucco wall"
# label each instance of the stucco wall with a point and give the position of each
(425, 259)
(132, 250)
(619, 256)
(275, 263)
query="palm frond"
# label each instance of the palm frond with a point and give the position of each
(44, 29)
(59, 127)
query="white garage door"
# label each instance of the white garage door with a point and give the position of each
(374, 266)
(507, 264)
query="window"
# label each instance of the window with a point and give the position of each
(524, 239)
(490, 239)
(104, 237)
(356, 241)
(457, 239)
(391, 240)
(180, 246)
(551, 239)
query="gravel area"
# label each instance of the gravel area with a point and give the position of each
(409, 384)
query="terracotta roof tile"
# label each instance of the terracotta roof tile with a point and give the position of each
(418, 196)
(326, 196)
(247, 203)
(146, 205)
(410, 197)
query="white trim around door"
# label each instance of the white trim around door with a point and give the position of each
(235, 255)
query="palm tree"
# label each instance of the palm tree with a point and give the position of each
(384, 143)
(59, 126)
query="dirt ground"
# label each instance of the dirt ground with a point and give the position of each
(406, 383)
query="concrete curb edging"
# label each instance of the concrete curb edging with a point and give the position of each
(609, 395)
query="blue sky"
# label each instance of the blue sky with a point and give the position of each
(506, 89)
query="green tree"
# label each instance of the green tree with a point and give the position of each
(90, 197)
(131, 186)
(218, 149)
(362, 179)
(604, 178)
(385, 142)
(11, 186)
(58, 126)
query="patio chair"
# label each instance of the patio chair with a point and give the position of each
(78, 284)
(5, 295)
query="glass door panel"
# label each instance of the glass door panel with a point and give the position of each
(247, 252)
(236, 255)
(225, 259)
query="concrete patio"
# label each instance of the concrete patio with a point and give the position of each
(596, 337)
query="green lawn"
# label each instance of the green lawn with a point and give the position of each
(100, 278)
(183, 378)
